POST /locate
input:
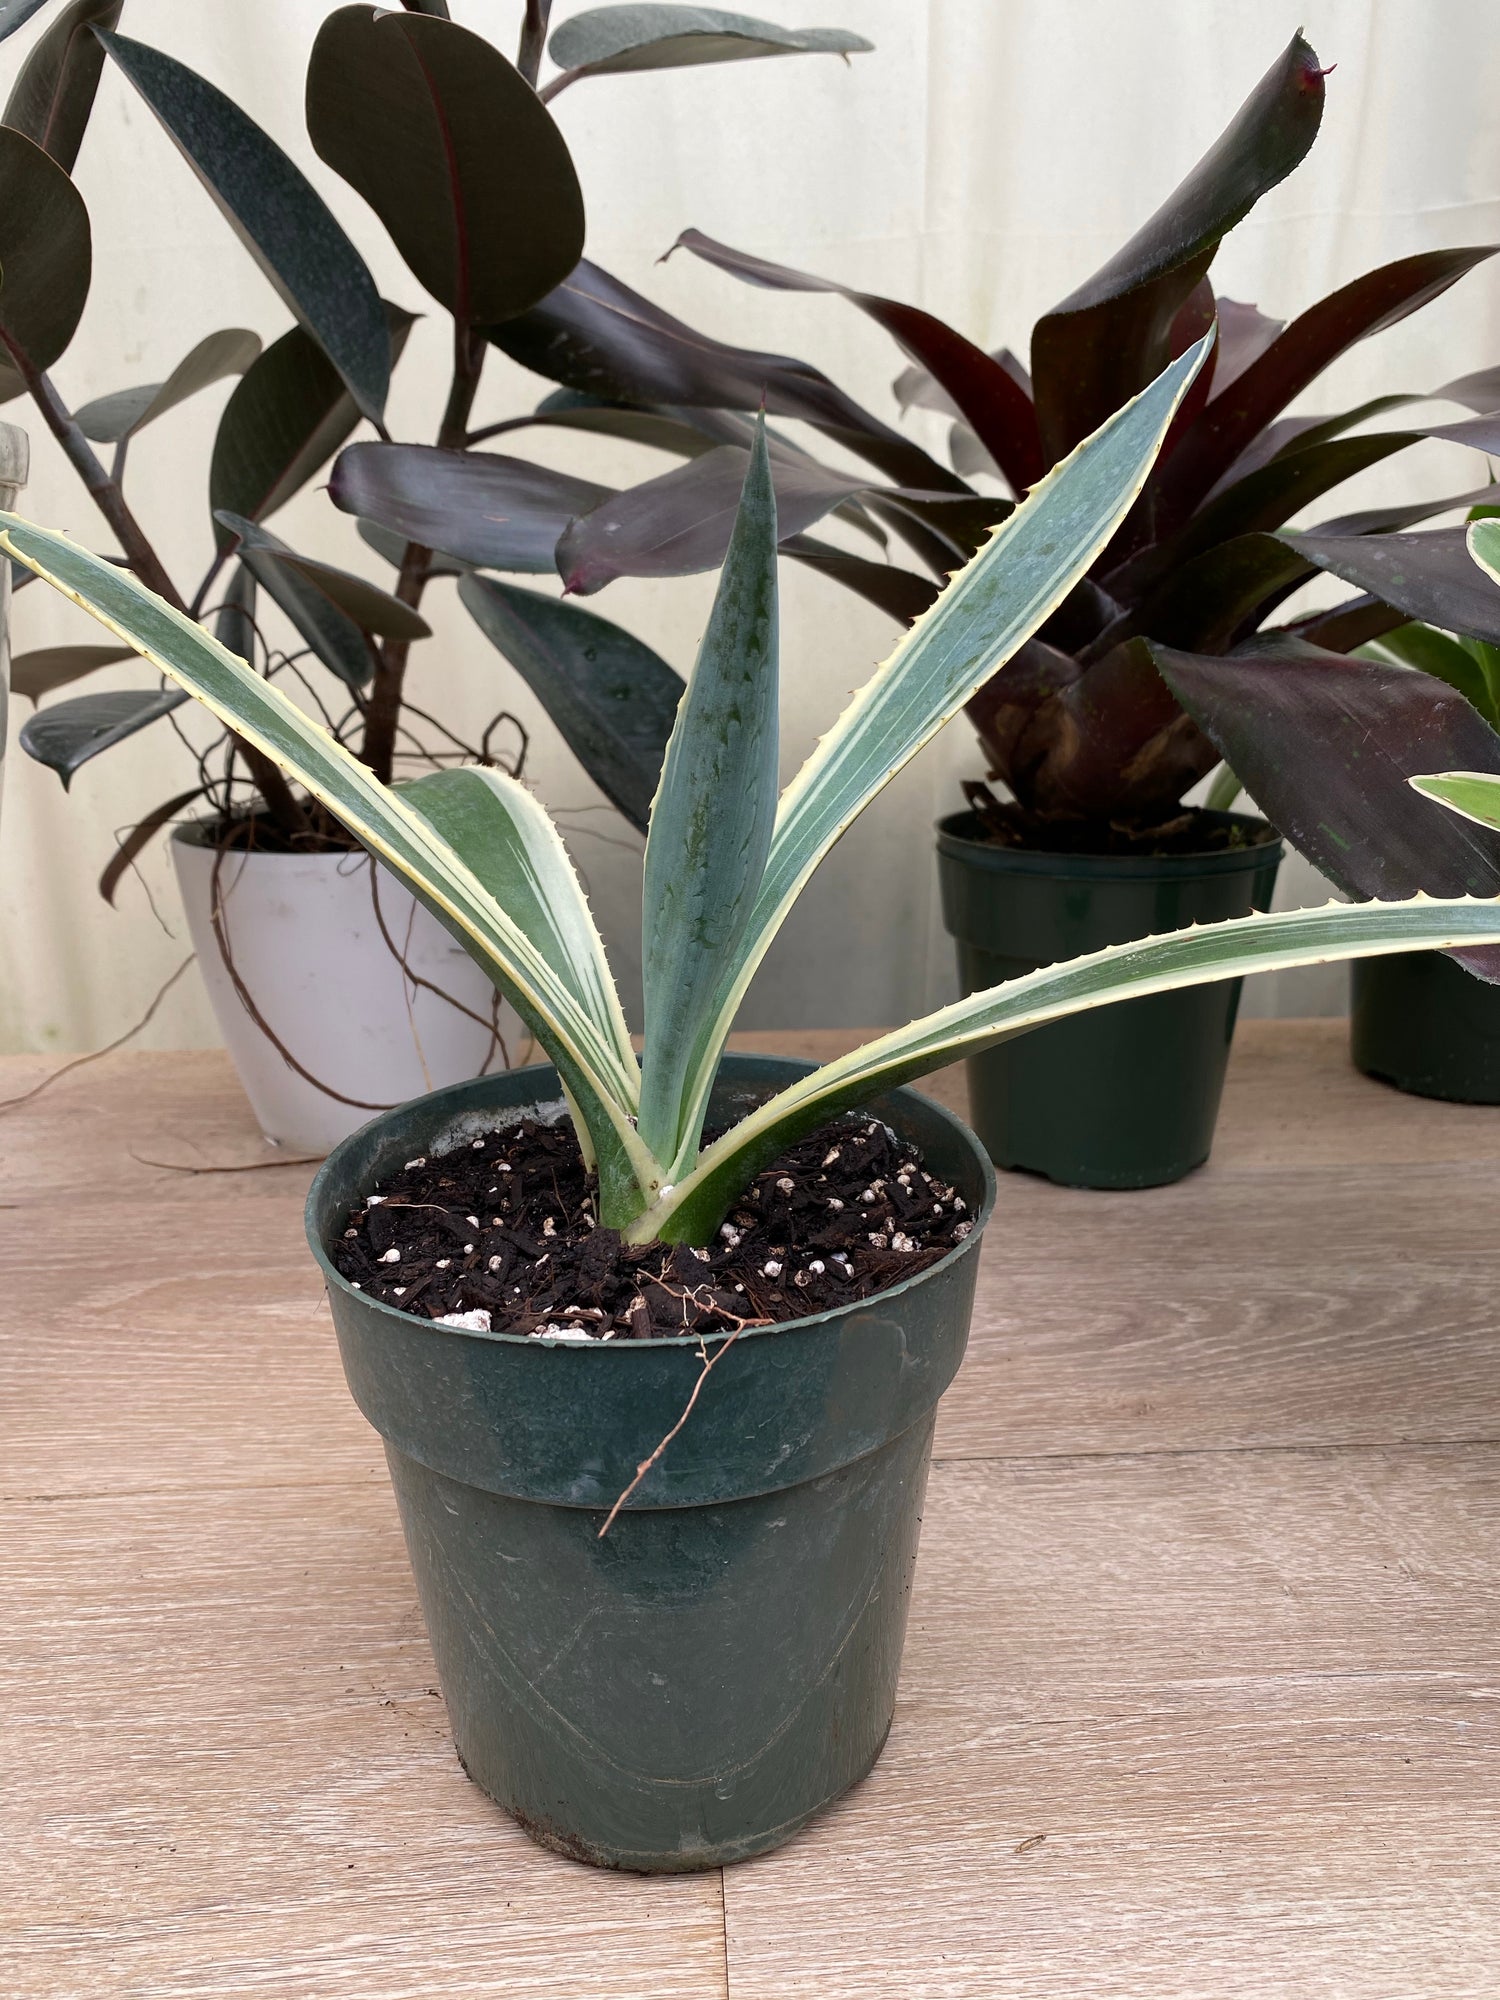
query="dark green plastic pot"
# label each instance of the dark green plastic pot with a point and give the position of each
(1127, 1096)
(695, 1686)
(1421, 1022)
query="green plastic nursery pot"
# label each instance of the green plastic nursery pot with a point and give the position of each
(1127, 1096)
(693, 1687)
(1421, 1022)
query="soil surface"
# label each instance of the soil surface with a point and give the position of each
(258, 833)
(500, 1235)
(1192, 831)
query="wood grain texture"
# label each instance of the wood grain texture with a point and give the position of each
(1251, 1702)
(1209, 1594)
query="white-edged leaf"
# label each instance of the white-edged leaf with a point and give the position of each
(710, 829)
(602, 1085)
(1472, 795)
(995, 603)
(1193, 957)
(504, 837)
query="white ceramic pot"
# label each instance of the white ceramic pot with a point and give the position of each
(306, 945)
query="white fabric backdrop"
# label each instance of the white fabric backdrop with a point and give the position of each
(984, 160)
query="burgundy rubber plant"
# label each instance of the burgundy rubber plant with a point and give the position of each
(1094, 727)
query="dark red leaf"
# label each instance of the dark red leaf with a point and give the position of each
(1429, 576)
(1111, 337)
(1325, 746)
(901, 592)
(1239, 413)
(1111, 744)
(139, 838)
(498, 513)
(595, 334)
(983, 391)
(680, 522)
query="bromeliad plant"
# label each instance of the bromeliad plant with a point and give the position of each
(1329, 746)
(1090, 741)
(725, 858)
(453, 148)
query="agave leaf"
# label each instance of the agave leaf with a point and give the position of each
(454, 152)
(986, 612)
(711, 826)
(611, 697)
(1259, 394)
(1325, 745)
(288, 414)
(277, 214)
(1428, 576)
(513, 848)
(1473, 795)
(37, 673)
(477, 506)
(46, 255)
(129, 850)
(1195, 957)
(52, 97)
(67, 734)
(600, 1083)
(606, 41)
(982, 390)
(109, 419)
(1110, 337)
(597, 335)
(680, 522)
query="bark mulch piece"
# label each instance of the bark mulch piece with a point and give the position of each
(500, 1235)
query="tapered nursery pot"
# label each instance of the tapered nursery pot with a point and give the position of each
(1419, 1021)
(693, 1687)
(1126, 1096)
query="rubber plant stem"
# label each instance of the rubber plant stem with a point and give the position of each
(533, 38)
(143, 560)
(383, 714)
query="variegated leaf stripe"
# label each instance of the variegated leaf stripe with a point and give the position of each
(1192, 957)
(987, 610)
(585, 1050)
(1472, 795)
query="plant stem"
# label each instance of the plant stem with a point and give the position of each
(383, 715)
(533, 37)
(107, 496)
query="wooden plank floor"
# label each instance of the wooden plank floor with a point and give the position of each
(1209, 1596)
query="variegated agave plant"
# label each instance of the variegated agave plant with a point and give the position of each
(725, 859)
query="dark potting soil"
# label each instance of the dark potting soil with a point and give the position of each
(1191, 831)
(500, 1235)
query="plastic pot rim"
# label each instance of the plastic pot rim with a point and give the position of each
(954, 839)
(333, 1278)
